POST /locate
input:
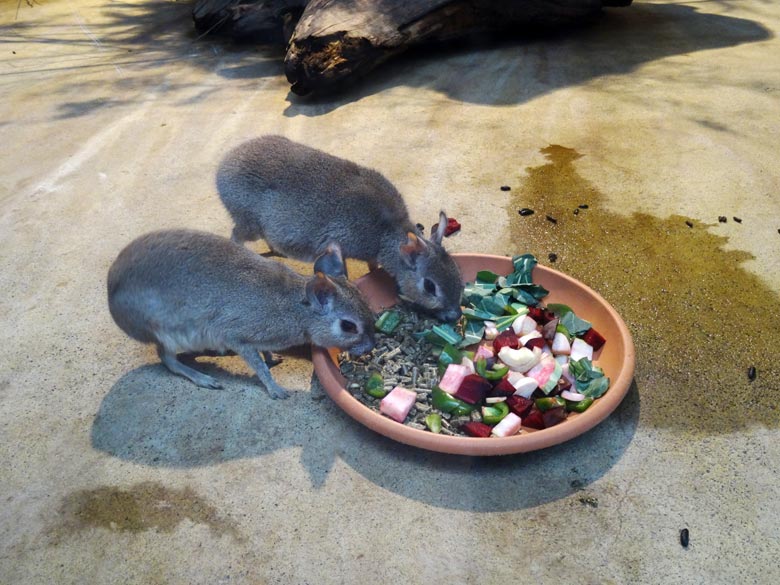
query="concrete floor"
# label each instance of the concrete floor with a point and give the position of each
(113, 119)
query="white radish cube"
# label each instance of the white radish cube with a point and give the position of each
(490, 333)
(518, 360)
(562, 359)
(507, 426)
(580, 349)
(483, 352)
(495, 399)
(560, 344)
(529, 336)
(452, 378)
(543, 370)
(467, 363)
(523, 385)
(566, 373)
(398, 403)
(571, 395)
(523, 325)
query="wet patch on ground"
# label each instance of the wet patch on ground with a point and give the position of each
(142, 507)
(699, 320)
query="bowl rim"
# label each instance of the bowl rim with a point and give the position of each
(326, 369)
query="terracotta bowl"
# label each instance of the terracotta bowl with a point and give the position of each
(616, 357)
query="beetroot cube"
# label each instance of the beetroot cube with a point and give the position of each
(541, 316)
(473, 389)
(554, 416)
(533, 419)
(506, 338)
(594, 339)
(477, 429)
(503, 388)
(519, 405)
(535, 342)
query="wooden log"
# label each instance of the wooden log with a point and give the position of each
(262, 21)
(335, 40)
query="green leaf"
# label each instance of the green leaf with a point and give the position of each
(477, 314)
(487, 276)
(596, 387)
(447, 333)
(492, 306)
(473, 292)
(472, 333)
(574, 324)
(559, 309)
(588, 378)
(505, 322)
(524, 266)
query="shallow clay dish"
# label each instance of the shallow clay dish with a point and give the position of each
(616, 358)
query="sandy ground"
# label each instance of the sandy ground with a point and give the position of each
(113, 119)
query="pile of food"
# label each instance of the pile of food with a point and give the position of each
(510, 364)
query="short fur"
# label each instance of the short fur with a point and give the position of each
(299, 199)
(194, 292)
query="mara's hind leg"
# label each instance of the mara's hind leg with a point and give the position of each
(169, 359)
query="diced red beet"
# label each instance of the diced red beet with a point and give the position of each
(563, 384)
(519, 405)
(541, 316)
(477, 429)
(554, 416)
(535, 342)
(533, 419)
(452, 226)
(473, 389)
(594, 338)
(503, 388)
(506, 338)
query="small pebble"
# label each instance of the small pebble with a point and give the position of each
(752, 373)
(552, 256)
(689, 223)
(737, 219)
(684, 537)
(583, 206)
(506, 188)
(525, 211)
(722, 219)
(551, 219)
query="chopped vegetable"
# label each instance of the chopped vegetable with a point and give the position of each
(375, 386)
(473, 389)
(477, 429)
(519, 405)
(573, 396)
(433, 422)
(594, 339)
(506, 339)
(493, 414)
(446, 403)
(447, 333)
(519, 360)
(580, 406)
(534, 419)
(453, 376)
(581, 349)
(388, 321)
(549, 402)
(508, 426)
(398, 403)
(523, 385)
(494, 374)
(552, 417)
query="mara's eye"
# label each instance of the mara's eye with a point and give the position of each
(429, 286)
(348, 327)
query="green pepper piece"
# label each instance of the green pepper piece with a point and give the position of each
(375, 386)
(493, 414)
(433, 422)
(493, 373)
(449, 355)
(580, 406)
(388, 321)
(549, 402)
(446, 403)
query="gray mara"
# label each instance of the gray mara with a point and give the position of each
(194, 292)
(299, 199)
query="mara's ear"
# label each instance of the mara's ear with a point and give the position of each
(331, 262)
(320, 292)
(437, 232)
(411, 249)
